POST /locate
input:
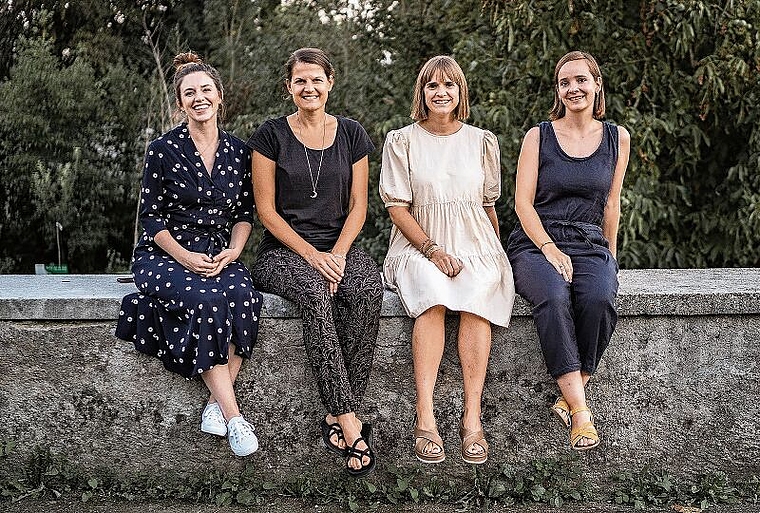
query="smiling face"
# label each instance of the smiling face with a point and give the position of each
(199, 97)
(576, 86)
(309, 86)
(441, 96)
(437, 72)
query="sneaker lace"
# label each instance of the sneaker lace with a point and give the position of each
(241, 429)
(214, 414)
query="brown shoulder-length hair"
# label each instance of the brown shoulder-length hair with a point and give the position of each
(558, 110)
(448, 67)
(189, 62)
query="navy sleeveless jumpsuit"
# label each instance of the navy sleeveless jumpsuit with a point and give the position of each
(574, 320)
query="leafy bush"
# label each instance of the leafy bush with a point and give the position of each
(85, 88)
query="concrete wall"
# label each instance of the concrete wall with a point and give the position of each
(678, 388)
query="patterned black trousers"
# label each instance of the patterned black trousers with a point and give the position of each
(339, 332)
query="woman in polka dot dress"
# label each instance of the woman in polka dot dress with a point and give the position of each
(197, 309)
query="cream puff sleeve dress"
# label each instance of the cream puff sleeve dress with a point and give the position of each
(446, 181)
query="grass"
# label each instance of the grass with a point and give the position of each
(553, 482)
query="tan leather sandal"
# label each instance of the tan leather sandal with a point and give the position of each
(470, 438)
(562, 410)
(422, 439)
(585, 430)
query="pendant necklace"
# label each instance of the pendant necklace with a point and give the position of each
(314, 181)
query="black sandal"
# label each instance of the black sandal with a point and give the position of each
(330, 430)
(367, 432)
(353, 452)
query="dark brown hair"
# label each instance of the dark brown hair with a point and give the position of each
(448, 67)
(558, 109)
(309, 56)
(187, 63)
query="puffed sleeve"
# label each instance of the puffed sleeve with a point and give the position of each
(244, 206)
(395, 180)
(152, 192)
(491, 169)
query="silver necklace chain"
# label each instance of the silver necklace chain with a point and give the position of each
(206, 148)
(314, 181)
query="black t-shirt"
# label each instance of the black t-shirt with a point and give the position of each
(318, 220)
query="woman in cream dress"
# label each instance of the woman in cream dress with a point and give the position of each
(440, 179)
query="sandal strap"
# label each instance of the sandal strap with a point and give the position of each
(474, 438)
(561, 409)
(586, 430)
(353, 452)
(422, 438)
(335, 429)
(360, 454)
(578, 410)
(430, 436)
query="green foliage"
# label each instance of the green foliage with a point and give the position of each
(10, 486)
(682, 77)
(648, 488)
(651, 487)
(85, 88)
(546, 481)
(65, 158)
(550, 482)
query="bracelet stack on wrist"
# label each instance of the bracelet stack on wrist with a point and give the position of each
(431, 249)
(338, 255)
(428, 248)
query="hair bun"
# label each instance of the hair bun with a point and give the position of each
(186, 58)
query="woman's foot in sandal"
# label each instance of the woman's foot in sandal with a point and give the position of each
(474, 445)
(428, 445)
(360, 458)
(583, 434)
(357, 437)
(332, 436)
(562, 410)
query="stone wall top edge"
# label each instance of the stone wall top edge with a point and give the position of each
(642, 292)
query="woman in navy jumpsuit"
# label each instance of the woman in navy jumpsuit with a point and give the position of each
(197, 309)
(563, 250)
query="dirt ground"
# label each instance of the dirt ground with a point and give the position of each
(74, 505)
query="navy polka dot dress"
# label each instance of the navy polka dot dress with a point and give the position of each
(186, 320)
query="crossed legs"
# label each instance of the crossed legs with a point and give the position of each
(220, 380)
(572, 387)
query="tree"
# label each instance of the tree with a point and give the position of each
(681, 75)
(64, 158)
(85, 85)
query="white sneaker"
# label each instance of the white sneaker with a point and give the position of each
(212, 420)
(242, 439)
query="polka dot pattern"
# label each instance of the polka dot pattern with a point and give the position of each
(180, 195)
(186, 320)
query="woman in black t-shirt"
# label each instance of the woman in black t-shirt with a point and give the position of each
(310, 178)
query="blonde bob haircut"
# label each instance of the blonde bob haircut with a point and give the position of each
(449, 68)
(558, 110)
